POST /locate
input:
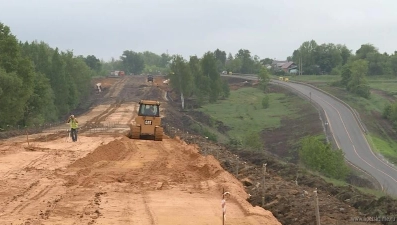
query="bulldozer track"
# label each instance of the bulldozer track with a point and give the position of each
(30, 164)
(96, 121)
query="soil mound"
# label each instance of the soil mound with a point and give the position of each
(113, 151)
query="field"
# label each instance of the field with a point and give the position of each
(243, 111)
(281, 126)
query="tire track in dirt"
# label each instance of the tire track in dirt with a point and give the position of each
(91, 209)
(95, 122)
(16, 197)
(19, 170)
(40, 194)
(38, 201)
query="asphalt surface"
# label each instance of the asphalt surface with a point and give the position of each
(348, 135)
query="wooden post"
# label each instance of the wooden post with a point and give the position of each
(263, 184)
(317, 210)
(224, 205)
(223, 211)
(27, 137)
(237, 162)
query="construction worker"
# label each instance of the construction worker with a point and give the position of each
(151, 111)
(74, 124)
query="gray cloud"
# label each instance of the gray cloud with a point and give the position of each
(267, 28)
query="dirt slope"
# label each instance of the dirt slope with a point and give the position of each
(106, 178)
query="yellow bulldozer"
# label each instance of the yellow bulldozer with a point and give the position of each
(148, 122)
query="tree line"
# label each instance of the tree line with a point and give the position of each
(151, 63)
(337, 59)
(137, 63)
(38, 83)
(329, 58)
(198, 78)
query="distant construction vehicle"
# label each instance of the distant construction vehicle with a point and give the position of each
(148, 122)
(150, 78)
(117, 73)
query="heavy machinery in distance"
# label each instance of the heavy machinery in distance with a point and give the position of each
(117, 74)
(150, 78)
(148, 122)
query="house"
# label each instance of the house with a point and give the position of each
(287, 67)
(277, 64)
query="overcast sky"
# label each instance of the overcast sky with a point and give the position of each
(268, 28)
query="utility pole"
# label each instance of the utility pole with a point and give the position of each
(300, 65)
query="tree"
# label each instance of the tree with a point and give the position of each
(306, 54)
(364, 50)
(59, 83)
(358, 83)
(234, 65)
(40, 106)
(247, 63)
(11, 109)
(78, 74)
(9, 49)
(264, 78)
(346, 75)
(16, 79)
(94, 63)
(344, 52)
(220, 56)
(269, 61)
(181, 78)
(132, 62)
(165, 60)
(209, 69)
(327, 57)
(201, 82)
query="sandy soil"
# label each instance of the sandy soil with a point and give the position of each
(106, 178)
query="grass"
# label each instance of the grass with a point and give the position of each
(340, 183)
(243, 111)
(211, 133)
(390, 87)
(388, 148)
(375, 103)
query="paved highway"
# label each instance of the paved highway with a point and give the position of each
(348, 135)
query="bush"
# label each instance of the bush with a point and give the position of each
(386, 111)
(265, 102)
(320, 157)
(252, 140)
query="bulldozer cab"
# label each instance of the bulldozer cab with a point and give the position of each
(148, 121)
(149, 110)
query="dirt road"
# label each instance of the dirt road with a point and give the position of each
(106, 178)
